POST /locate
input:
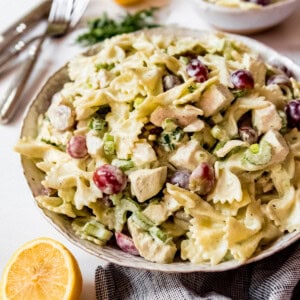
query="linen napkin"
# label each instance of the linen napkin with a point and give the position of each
(274, 278)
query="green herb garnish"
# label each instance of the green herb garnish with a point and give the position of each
(104, 27)
(58, 146)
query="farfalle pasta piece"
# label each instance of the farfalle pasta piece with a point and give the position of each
(86, 192)
(192, 203)
(293, 140)
(228, 188)
(244, 250)
(57, 205)
(231, 209)
(285, 211)
(110, 54)
(32, 148)
(150, 80)
(125, 87)
(206, 242)
(63, 175)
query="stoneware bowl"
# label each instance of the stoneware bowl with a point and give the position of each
(245, 21)
(112, 253)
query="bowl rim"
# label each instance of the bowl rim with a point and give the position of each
(141, 263)
(237, 10)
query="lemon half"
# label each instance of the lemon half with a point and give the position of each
(41, 269)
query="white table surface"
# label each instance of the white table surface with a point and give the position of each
(21, 220)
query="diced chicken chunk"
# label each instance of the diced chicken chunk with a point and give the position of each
(280, 148)
(159, 212)
(257, 68)
(143, 153)
(195, 126)
(94, 144)
(146, 183)
(189, 155)
(150, 248)
(214, 99)
(182, 116)
(61, 117)
(266, 118)
(230, 145)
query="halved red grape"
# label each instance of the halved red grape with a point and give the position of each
(198, 70)
(248, 134)
(260, 2)
(202, 179)
(280, 79)
(292, 111)
(76, 147)
(242, 80)
(126, 243)
(169, 81)
(109, 179)
(181, 178)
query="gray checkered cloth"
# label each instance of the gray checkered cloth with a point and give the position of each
(274, 278)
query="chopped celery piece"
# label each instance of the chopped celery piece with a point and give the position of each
(121, 210)
(97, 124)
(169, 125)
(184, 59)
(88, 227)
(259, 154)
(219, 133)
(142, 221)
(109, 144)
(123, 164)
(97, 230)
(157, 233)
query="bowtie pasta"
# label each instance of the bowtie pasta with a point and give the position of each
(175, 146)
(244, 4)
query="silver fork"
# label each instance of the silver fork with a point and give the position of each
(58, 23)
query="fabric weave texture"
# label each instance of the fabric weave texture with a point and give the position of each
(274, 278)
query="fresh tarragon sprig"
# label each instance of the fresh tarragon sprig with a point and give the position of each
(104, 27)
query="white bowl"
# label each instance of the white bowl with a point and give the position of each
(111, 252)
(245, 21)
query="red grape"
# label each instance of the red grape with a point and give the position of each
(198, 70)
(202, 179)
(242, 80)
(181, 178)
(280, 79)
(126, 243)
(260, 2)
(292, 111)
(109, 179)
(248, 134)
(76, 147)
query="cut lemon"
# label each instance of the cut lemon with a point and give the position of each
(41, 269)
(127, 2)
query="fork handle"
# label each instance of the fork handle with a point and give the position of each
(10, 103)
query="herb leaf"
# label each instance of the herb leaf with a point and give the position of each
(104, 27)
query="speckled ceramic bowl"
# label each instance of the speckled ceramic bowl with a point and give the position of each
(245, 21)
(112, 253)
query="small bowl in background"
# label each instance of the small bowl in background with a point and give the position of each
(245, 21)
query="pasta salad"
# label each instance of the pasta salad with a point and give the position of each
(173, 146)
(245, 4)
